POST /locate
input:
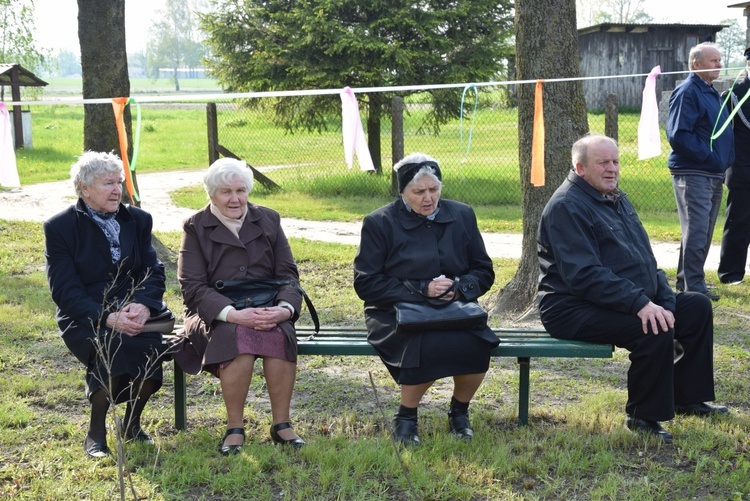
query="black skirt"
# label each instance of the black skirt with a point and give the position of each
(443, 354)
(132, 358)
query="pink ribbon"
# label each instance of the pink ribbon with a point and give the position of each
(8, 170)
(353, 133)
(649, 138)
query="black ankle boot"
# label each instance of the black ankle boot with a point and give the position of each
(405, 426)
(458, 420)
(405, 430)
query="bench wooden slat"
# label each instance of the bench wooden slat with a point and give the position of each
(352, 341)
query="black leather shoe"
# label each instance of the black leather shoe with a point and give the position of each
(405, 430)
(460, 425)
(294, 442)
(711, 295)
(649, 428)
(226, 450)
(703, 409)
(95, 449)
(139, 436)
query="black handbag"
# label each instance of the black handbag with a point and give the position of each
(435, 314)
(261, 293)
(163, 321)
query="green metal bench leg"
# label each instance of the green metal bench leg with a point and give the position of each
(523, 390)
(180, 398)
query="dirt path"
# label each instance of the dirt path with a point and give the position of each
(40, 201)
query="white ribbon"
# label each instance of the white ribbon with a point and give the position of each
(353, 133)
(8, 170)
(649, 138)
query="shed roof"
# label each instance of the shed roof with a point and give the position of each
(643, 28)
(25, 77)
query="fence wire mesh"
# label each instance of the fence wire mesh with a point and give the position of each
(478, 152)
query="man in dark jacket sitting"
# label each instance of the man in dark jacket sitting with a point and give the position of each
(599, 282)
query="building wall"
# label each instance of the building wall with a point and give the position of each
(613, 50)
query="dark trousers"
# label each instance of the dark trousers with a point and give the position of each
(655, 383)
(736, 237)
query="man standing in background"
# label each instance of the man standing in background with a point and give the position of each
(697, 162)
(736, 237)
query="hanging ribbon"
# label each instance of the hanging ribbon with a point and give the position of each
(8, 169)
(473, 116)
(537, 138)
(649, 138)
(118, 105)
(353, 133)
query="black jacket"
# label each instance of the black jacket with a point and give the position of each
(397, 244)
(80, 269)
(594, 251)
(738, 175)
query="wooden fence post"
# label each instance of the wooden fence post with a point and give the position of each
(611, 128)
(397, 138)
(213, 133)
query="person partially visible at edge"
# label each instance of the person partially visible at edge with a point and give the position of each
(697, 163)
(106, 281)
(599, 282)
(431, 243)
(231, 239)
(736, 237)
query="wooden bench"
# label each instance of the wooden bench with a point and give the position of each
(351, 341)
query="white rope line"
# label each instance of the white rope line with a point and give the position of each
(204, 98)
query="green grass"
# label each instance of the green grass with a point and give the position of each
(575, 447)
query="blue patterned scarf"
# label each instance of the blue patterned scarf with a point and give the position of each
(111, 229)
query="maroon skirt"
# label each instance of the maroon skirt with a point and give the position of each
(261, 344)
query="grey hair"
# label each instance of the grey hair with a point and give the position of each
(579, 151)
(418, 158)
(92, 164)
(223, 172)
(696, 53)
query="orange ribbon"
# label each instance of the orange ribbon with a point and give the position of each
(537, 138)
(118, 105)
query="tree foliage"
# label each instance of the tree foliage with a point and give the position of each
(731, 42)
(592, 12)
(312, 44)
(17, 30)
(173, 41)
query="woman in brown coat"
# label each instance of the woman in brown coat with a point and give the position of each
(229, 240)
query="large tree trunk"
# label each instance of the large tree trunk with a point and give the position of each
(546, 47)
(104, 68)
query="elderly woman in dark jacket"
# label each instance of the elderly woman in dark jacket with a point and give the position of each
(231, 240)
(107, 281)
(431, 243)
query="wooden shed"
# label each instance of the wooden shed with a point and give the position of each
(16, 76)
(627, 49)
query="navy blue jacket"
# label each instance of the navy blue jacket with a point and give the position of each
(594, 252)
(693, 108)
(80, 268)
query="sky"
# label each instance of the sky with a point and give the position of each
(57, 22)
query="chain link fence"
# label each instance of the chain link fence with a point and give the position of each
(478, 153)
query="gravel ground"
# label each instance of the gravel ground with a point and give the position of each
(40, 201)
